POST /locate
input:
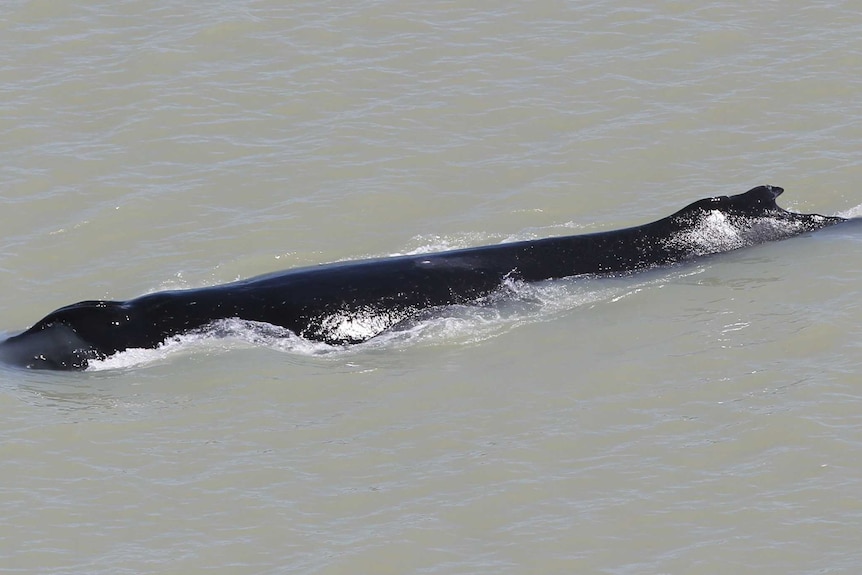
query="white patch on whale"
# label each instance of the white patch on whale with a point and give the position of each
(718, 232)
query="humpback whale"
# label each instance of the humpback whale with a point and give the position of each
(322, 302)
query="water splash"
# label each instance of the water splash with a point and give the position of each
(854, 212)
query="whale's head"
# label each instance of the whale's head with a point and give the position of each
(71, 336)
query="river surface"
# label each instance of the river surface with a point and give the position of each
(705, 418)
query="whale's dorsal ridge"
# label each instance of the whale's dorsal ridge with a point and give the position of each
(762, 196)
(766, 191)
(757, 201)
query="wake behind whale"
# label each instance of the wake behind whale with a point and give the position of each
(352, 302)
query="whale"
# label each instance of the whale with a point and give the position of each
(349, 302)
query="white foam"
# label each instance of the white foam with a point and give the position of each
(717, 232)
(854, 212)
(435, 243)
(361, 324)
(221, 336)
